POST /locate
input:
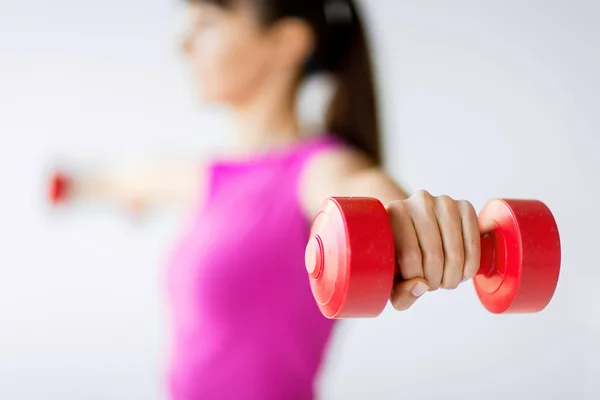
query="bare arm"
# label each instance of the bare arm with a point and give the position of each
(137, 184)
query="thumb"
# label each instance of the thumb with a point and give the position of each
(406, 293)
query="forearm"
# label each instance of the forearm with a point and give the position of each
(134, 184)
(120, 185)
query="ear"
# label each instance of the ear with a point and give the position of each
(293, 41)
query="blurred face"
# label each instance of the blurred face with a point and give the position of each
(228, 51)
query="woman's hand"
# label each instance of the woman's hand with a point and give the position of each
(437, 244)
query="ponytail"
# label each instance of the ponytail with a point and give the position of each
(353, 114)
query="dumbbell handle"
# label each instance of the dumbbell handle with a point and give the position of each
(488, 265)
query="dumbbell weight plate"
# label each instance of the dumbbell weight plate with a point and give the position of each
(526, 256)
(350, 258)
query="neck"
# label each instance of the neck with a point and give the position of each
(266, 122)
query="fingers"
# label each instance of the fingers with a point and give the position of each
(406, 293)
(450, 225)
(437, 243)
(422, 210)
(408, 252)
(471, 239)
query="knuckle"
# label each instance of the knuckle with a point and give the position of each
(446, 200)
(466, 206)
(410, 257)
(446, 204)
(435, 258)
(422, 197)
(395, 207)
(422, 194)
(394, 204)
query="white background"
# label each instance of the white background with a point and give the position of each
(481, 99)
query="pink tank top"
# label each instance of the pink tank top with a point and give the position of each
(245, 323)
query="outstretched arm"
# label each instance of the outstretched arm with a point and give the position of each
(135, 185)
(436, 238)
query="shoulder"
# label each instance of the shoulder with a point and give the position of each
(326, 172)
(343, 171)
(335, 162)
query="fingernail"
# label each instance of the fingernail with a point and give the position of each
(419, 289)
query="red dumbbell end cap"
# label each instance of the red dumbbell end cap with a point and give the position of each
(350, 258)
(526, 258)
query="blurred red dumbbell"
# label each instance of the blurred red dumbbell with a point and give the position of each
(59, 188)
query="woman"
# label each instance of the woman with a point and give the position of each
(245, 324)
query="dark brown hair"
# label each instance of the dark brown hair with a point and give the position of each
(341, 49)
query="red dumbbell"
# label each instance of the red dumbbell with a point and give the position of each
(350, 257)
(59, 188)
